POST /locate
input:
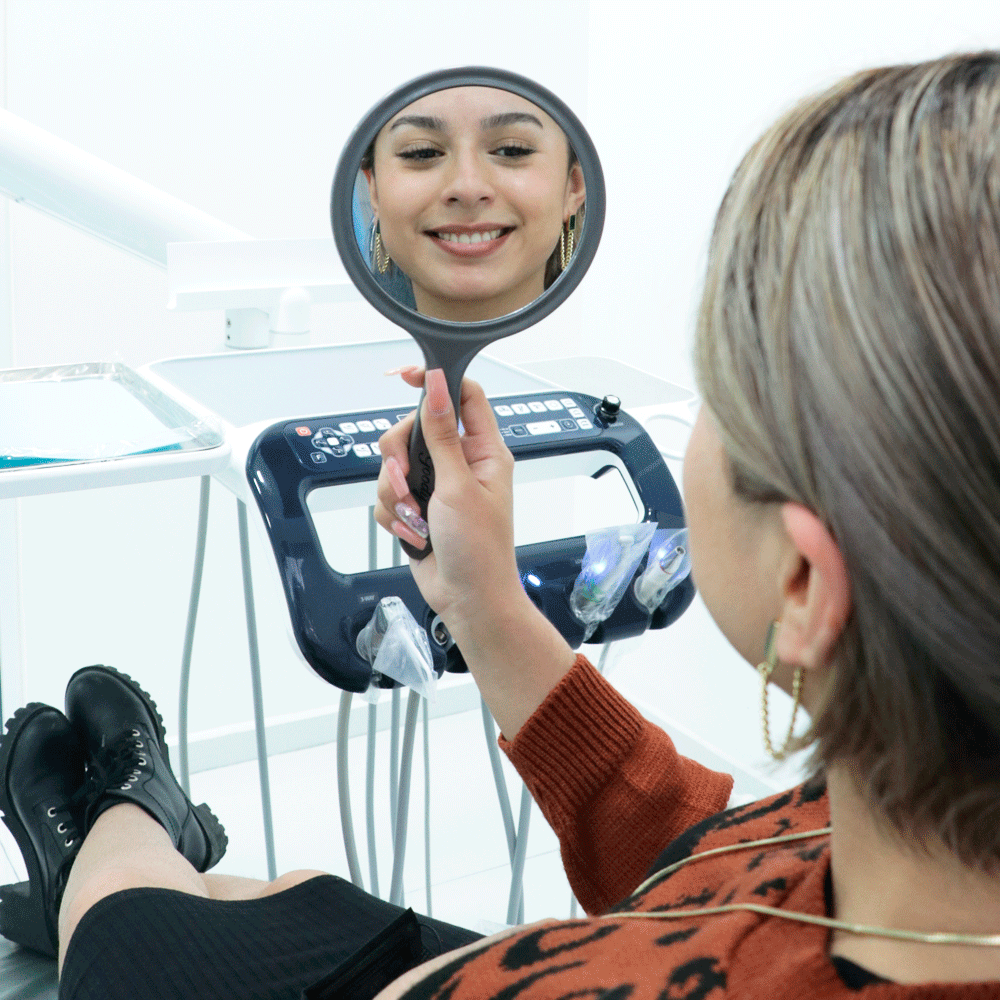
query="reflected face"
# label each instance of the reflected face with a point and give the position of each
(471, 187)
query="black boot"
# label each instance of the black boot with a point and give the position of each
(41, 793)
(127, 761)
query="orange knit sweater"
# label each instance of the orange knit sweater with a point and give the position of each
(617, 793)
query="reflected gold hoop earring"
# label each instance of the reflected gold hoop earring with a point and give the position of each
(765, 670)
(567, 242)
(379, 257)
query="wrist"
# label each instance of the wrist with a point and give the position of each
(516, 656)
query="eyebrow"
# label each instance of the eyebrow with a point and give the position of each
(510, 118)
(420, 121)
(440, 125)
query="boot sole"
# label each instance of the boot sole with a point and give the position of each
(213, 829)
(22, 912)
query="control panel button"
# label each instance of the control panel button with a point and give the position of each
(519, 430)
(521, 408)
(381, 424)
(536, 407)
(567, 402)
(349, 428)
(362, 451)
(544, 427)
(303, 431)
(376, 448)
(576, 412)
(503, 410)
(318, 457)
(366, 426)
(569, 425)
(584, 424)
(553, 404)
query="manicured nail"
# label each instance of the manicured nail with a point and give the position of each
(396, 478)
(401, 531)
(412, 519)
(438, 399)
(401, 369)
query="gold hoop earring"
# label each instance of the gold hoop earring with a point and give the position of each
(567, 242)
(765, 670)
(382, 259)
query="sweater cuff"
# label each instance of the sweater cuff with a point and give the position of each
(579, 735)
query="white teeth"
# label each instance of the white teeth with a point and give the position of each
(491, 234)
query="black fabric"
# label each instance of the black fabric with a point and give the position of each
(164, 945)
(854, 977)
(393, 951)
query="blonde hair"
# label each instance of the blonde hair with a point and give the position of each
(848, 344)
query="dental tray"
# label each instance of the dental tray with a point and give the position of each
(90, 413)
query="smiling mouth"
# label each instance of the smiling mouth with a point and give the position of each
(483, 236)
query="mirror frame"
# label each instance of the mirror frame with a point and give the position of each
(342, 216)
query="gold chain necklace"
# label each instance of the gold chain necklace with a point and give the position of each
(937, 937)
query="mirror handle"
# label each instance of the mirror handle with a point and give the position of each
(420, 479)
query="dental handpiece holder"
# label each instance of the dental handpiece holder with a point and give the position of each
(329, 609)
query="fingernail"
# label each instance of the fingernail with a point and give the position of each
(438, 400)
(396, 478)
(412, 519)
(401, 369)
(401, 531)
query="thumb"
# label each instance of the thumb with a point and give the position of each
(440, 429)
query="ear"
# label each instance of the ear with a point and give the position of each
(372, 190)
(576, 191)
(815, 591)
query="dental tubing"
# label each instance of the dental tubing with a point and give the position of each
(396, 647)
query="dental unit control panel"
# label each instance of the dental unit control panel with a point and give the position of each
(346, 441)
(329, 609)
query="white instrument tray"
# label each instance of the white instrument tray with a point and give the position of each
(95, 424)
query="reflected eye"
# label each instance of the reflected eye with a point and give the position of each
(419, 154)
(513, 150)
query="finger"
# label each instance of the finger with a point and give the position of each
(477, 412)
(407, 534)
(410, 374)
(397, 477)
(395, 443)
(440, 429)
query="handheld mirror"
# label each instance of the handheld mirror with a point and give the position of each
(466, 205)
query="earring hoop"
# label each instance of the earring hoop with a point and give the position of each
(380, 258)
(567, 242)
(765, 670)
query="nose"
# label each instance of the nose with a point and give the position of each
(468, 181)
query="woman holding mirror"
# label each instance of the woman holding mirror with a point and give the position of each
(476, 197)
(841, 484)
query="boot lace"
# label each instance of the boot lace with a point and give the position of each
(119, 764)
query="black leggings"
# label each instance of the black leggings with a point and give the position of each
(159, 944)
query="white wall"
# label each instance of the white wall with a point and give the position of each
(240, 108)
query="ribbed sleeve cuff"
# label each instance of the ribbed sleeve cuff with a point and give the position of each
(574, 740)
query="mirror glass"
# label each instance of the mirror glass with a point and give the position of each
(466, 205)
(469, 203)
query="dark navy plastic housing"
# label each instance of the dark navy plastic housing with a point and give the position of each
(328, 609)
